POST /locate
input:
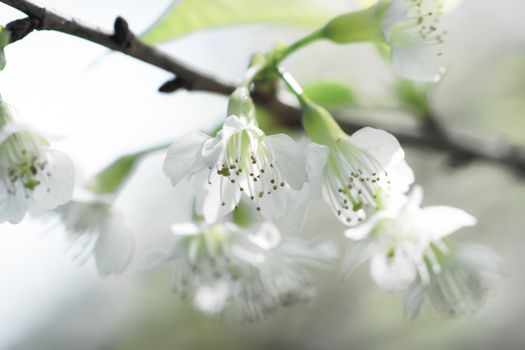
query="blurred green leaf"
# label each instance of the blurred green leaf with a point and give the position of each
(414, 96)
(330, 94)
(110, 178)
(187, 16)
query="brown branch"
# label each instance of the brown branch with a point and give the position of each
(123, 41)
(431, 136)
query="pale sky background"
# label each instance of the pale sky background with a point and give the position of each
(113, 108)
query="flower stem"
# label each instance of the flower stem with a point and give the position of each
(292, 85)
(307, 40)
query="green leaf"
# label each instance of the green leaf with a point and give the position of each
(330, 93)
(414, 96)
(4, 40)
(187, 16)
(111, 178)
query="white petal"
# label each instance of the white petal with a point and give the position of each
(289, 159)
(265, 235)
(214, 200)
(415, 198)
(413, 301)
(362, 231)
(274, 205)
(313, 252)
(234, 123)
(316, 157)
(13, 208)
(441, 221)
(212, 298)
(397, 12)
(298, 201)
(415, 60)
(379, 144)
(153, 259)
(297, 208)
(482, 258)
(401, 177)
(357, 253)
(186, 229)
(184, 157)
(57, 188)
(393, 275)
(113, 249)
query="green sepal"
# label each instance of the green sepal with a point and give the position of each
(5, 36)
(320, 125)
(358, 26)
(241, 104)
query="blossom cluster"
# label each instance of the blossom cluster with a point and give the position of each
(253, 269)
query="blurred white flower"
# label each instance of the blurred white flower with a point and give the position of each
(363, 170)
(32, 176)
(403, 241)
(93, 228)
(411, 29)
(241, 159)
(252, 269)
(460, 287)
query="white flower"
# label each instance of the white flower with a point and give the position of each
(363, 170)
(462, 285)
(31, 174)
(404, 241)
(94, 228)
(252, 269)
(240, 160)
(411, 29)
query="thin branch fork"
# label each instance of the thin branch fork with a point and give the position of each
(430, 136)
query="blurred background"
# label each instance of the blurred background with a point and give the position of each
(107, 104)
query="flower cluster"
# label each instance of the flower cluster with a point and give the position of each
(363, 177)
(251, 268)
(407, 252)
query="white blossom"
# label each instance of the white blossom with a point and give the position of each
(251, 269)
(404, 241)
(240, 161)
(32, 176)
(363, 170)
(460, 287)
(94, 228)
(411, 27)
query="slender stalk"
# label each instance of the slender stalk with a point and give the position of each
(292, 85)
(299, 44)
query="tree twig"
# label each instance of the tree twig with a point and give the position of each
(123, 41)
(461, 149)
